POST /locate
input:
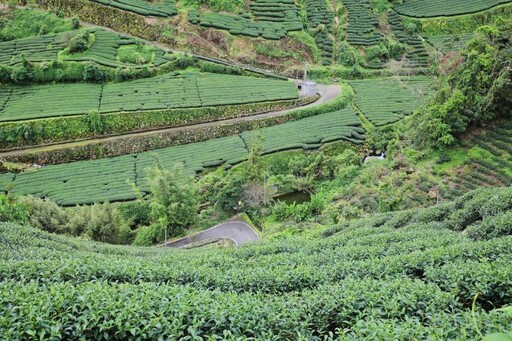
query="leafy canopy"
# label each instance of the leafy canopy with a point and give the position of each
(477, 92)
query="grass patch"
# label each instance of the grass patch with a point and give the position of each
(23, 23)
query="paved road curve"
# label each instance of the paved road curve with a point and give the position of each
(239, 232)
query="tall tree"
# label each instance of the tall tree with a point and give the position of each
(174, 201)
(478, 91)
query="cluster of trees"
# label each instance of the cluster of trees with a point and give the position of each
(100, 222)
(477, 92)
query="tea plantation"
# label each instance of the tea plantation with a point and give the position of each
(368, 144)
(489, 162)
(169, 91)
(87, 182)
(437, 8)
(403, 275)
(163, 8)
(387, 100)
(362, 23)
(269, 19)
(105, 50)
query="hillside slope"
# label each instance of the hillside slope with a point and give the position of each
(404, 275)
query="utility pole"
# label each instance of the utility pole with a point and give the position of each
(305, 71)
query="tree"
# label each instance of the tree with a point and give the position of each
(173, 202)
(254, 169)
(477, 92)
(11, 211)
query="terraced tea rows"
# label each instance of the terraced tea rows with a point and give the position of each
(109, 179)
(104, 50)
(272, 19)
(37, 49)
(312, 132)
(277, 11)
(319, 13)
(38, 101)
(492, 167)
(403, 275)
(387, 100)
(450, 42)
(106, 179)
(161, 8)
(106, 47)
(169, 91)
(362, 23)
(437, 8)
(416, 55)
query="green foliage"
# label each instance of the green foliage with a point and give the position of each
(305, 38)
(438, 8)
(254, 165)
(216, 5)
(25, 23)
(466, 24)
(93, 73)
(224, 192)
(75, 23)
(409, 271)
(79, 43)
(22, 75)
(299, 212)
(95, 122)
(174, 202)
(349, 56)
(99, 222)
(10, 210)
(138, 54)
(44, 214)
(477, 92)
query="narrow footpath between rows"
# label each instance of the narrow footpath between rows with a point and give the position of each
(327, 93)
(237, 231)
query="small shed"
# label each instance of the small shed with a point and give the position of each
(307, 88)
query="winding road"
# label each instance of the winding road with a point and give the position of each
(237, 231)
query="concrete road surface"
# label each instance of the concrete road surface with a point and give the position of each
(239, 232)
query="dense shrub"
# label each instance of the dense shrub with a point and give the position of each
(93, 73)
(10, 210)
(44, 214)
(477, 92)
(79, 43)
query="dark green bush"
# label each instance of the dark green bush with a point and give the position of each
(93, 73)
(78, 43)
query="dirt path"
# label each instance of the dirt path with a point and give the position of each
(327, 93)
(239, 232)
